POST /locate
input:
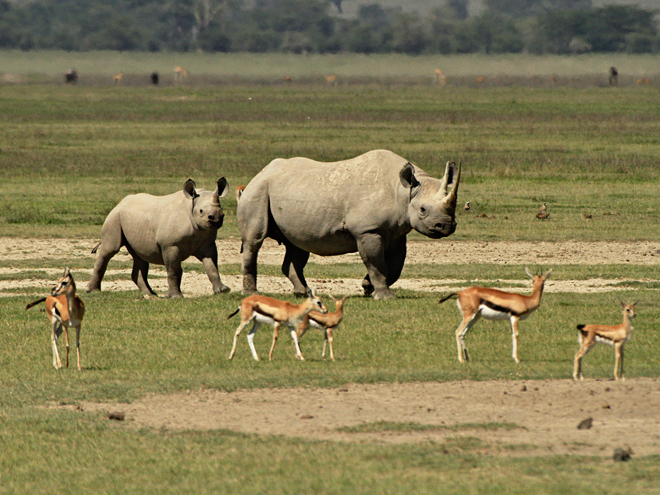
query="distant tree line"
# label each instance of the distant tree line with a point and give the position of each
(314, 26)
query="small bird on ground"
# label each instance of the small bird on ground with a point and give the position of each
(467, 206)
(543, 212)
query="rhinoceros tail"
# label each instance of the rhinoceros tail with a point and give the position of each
(95, 248)
(34, 303)
(447, 297)
(234, 313)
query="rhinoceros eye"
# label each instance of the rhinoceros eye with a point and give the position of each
(423, 211)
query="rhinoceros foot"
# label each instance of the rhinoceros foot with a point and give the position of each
(223, 289)
(383, 294)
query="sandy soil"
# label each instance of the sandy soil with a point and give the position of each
(441, 252)
(546, 413)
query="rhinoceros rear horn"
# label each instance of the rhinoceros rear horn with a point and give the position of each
(189, 189)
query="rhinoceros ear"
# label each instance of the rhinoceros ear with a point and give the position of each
(189, 189)
(223, 187)
(407, 177)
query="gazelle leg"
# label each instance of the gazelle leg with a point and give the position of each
(296, 345)
(325, 343)
(66, 343)
(57, 330)
(461, 331)
(240, 328)
(250, 339)
(585, 346)
(514, 338)
(276, 334)
(328, 338)
(78, 346)
(618, 360)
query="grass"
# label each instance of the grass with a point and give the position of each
(69, 154)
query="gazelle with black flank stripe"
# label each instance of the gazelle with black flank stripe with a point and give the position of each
(614, 335)
(258, 309)
(494, 304)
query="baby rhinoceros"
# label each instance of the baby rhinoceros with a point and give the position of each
(164, 230)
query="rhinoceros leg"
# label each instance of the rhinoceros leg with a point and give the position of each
(372, 251)
(209, 257)
(172, 261)
(249, 270)
(139, 275)
(293, 265)
(395, 256)
(111, 242)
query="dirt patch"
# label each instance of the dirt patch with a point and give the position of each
(544, 414)
(441, 252)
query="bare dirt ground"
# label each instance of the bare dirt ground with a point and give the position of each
(545, 413)
(441, 252)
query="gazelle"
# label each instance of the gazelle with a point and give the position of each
(614, 335)
(327, 322)
(117, 77)
(180, 74)
(331, 80)
(65, 310)
(439, 77)
(494, 304)
(258, 309)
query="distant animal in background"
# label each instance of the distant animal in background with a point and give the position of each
(71, 77)
(117, 77)
(439, 77)
(493, 304)
(64, 310)
(481, 79)
(155, 79)
(239, 192)
(643, 81)
(614, 77)
(467, 206)
(287, 79)
(328, 322)
(614, 335)
(331, 80)
(543, 212)
(180, 74)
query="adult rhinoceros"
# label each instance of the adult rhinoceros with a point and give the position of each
(164, 230)
(367, 204)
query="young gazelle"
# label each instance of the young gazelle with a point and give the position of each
(494, 304)
(327, 322)
(614, 335)
(259, 309)
(65, 310)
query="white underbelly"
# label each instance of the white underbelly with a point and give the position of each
(314, 324)
(263, 319)
(492, 314)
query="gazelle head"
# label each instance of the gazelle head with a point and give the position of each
(65, 284)
(315, 302)
(339, 303)
(629, 310)
(539, 280)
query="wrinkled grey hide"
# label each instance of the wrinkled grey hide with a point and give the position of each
(164, 230)
(367, 204)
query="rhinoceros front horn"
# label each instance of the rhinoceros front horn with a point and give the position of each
(452, 176)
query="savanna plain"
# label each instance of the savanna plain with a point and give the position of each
(396, 412)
